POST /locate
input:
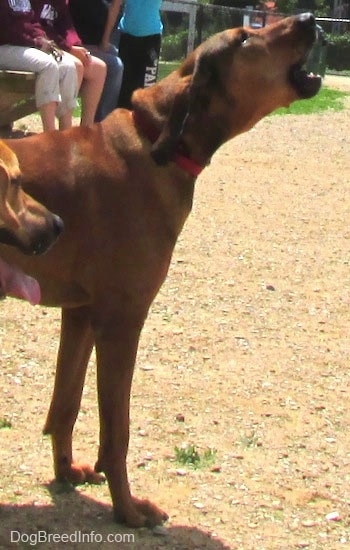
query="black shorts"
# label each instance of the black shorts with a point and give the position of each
(140, 56)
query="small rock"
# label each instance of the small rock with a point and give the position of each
(308, 523)
(277, 505)
(333, 516)
(216, 469)
(198, 505)
(147, 367)
(181, 472)
(180, 417)
(270, 287)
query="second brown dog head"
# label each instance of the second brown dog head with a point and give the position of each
(24, 223)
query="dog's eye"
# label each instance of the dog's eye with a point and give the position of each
(244, 37)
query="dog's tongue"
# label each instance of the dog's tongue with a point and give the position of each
(14, 282)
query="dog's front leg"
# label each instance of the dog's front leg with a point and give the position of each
(116, 348)
(75, 349)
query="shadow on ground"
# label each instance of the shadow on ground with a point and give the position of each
(88, 524)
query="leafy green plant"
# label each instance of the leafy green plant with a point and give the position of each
(174, 46)
(191, 457)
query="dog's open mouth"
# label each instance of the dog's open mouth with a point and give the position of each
(306, 84)
(13, 282)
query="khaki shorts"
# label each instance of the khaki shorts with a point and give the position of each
(55, 81)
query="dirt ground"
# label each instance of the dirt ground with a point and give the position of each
(245, 352)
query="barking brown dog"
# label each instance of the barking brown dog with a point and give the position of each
(124, 189)
(25, 224)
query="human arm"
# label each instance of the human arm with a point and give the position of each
(19, 29)
(113, 12)
(61, 28)
(82, 54)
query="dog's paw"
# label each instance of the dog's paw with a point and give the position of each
(78, 474)
(140, 513)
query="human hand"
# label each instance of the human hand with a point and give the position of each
(82, 54)
(49, 47)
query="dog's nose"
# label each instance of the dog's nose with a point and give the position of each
(306, 19)
(58, 225)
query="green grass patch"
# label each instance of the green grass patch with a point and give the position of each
(5, 423)
(167, 67)
(326, 100)
(77, 110)
(190, 456)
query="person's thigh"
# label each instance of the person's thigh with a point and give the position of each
(22, 58)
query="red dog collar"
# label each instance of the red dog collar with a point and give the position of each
(185, 163)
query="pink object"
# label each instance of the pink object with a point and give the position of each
(14, 282)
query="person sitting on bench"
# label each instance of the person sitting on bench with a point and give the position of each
(56, 20)
(24, 46)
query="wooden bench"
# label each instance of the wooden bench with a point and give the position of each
(16, 96)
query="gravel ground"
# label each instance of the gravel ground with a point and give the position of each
(245, 352)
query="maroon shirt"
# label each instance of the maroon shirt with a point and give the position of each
(56, 20)
(19, 25)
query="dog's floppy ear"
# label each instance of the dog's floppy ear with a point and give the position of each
(9, 170)
(7, 215)
(192, 97)
(195, 97)
(163, 149)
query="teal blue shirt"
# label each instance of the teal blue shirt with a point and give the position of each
(141, 17)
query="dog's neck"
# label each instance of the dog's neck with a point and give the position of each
(161, 112)
(179, 157)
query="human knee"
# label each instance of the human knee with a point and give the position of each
(48, 65)
(79, 67)
(69, 61)
(98, 66)
(38, 61)
(115, 67)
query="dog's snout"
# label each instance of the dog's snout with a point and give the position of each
(58, 225)
(45, 239)
(307, 19)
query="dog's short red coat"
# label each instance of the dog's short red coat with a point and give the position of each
(124, 202)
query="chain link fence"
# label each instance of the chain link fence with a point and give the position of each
(188, 23)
